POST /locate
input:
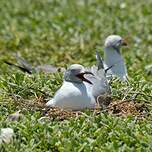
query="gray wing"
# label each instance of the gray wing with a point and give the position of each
(100, 84)
(22, 62)
(99, 80)
(99, 61)
(26, 67)
(17, 66)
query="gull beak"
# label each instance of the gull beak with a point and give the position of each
(81, 76)
(124, 42)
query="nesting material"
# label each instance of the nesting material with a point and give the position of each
(126, 108)
(60, 114)
(118, 108)
(104, 101)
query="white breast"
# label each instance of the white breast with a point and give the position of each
(74, 96)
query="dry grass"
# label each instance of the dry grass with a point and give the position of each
(118, 108)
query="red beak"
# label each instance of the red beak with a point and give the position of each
(81, 76)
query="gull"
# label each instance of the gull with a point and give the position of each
(28, 68)
(113, 57)
(83, 87)
(75, 92)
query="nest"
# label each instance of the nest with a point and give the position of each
(126, 108)
(118, 108)
(56, 113)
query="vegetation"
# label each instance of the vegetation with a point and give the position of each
(60, 33)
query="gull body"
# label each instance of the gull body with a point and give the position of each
(75, 92)
(24, 66)
(113, 57)
(100, 87)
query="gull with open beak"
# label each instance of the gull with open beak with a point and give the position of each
(113, 57)
(75, 92)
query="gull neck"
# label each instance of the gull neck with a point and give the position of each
(112, 56)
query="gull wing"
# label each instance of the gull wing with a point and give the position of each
(22, 62)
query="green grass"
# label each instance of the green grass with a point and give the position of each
(61, 33)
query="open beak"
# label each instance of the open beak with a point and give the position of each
(124, 42)
(81, 76)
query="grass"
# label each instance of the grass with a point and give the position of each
(65, 32)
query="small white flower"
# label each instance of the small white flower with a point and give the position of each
(6, 135)
(123, 5)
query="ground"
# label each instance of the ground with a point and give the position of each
(60, 33)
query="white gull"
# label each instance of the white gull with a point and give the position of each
(113, 57)
(75, 92)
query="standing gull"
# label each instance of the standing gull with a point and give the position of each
(75, 92)
(113, 57)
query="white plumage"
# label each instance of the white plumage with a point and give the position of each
(74, 94)
(113, 57)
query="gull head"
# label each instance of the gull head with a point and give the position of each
(115, 42)
(75, 73)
